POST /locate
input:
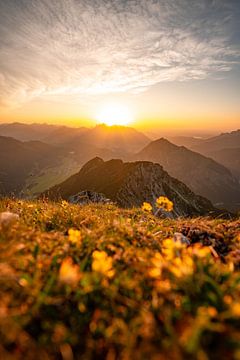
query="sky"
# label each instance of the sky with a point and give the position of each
(175, 65)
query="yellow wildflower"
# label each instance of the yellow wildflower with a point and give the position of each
(64, 203)
(74, 236)
(168, 249)
(69, 273)
(146, 207)
(164, 203)
(156, 269)
(182, 267)
(201, 251)
(102, 263)
(236, 309)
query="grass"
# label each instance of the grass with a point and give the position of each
(117, 287)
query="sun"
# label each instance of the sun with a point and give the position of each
(114, 114)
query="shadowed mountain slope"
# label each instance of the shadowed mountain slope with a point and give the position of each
(18, 159)
(203, 175)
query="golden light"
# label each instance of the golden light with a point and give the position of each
(114, 114)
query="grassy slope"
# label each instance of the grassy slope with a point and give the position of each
(152, 308)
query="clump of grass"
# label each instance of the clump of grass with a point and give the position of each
(100, 282)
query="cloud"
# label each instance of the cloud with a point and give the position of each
(83, 48)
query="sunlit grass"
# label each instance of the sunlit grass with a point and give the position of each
(99, 282)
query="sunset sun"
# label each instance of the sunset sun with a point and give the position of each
(114, 114)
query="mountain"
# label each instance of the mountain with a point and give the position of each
(130, 184)
(29, 168)
(203, 175)
(229, 140)
(120, 139)
(224, 141)
(27, 132)
(64, 135)
(223, 148)
(187, 141)
(229, 158)
(116, 138)
(18, 159)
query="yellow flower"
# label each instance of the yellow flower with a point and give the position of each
(156, 269)
(69, 273)
(182, 267)
(74, 236)
(164, 203)
(201, 251)
(168, 248)
(102, 263)
(146, 207)
(236, 309)
(64, 203)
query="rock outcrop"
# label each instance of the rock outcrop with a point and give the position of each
(88, 197)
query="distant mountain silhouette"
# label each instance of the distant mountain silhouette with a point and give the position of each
(223, 148)
(205, 146)
(120, 139)
(64, 135)
(116, 138)
(202, 174)
(224, 141)
(27, 132)
(130, 184)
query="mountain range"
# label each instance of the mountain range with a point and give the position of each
(202, 174)
(28, 168)
(223, 148)
(130, 184)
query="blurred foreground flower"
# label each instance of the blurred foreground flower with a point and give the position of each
(8, 218)
(102, 263)
(69, 273)
(156, 268)
(164, 203)
(236, 309)
(74, 236)
(146, 207)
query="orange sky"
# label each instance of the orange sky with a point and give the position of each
(174, 67)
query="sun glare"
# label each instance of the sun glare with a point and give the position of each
(114, 114)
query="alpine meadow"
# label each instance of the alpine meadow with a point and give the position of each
(119, 180)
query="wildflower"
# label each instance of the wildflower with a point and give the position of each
(168, 248)
(201, 251)
(69, 273)
(7, 218)
(156, 269)
(164, 203)
(74, 236)
(236, 309)
(102, 263)
(146, 207)
(182, 267)
(64, 203)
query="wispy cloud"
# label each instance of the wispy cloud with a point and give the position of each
(84, 47)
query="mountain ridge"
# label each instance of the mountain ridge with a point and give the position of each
(203, 175)
(130, 184)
